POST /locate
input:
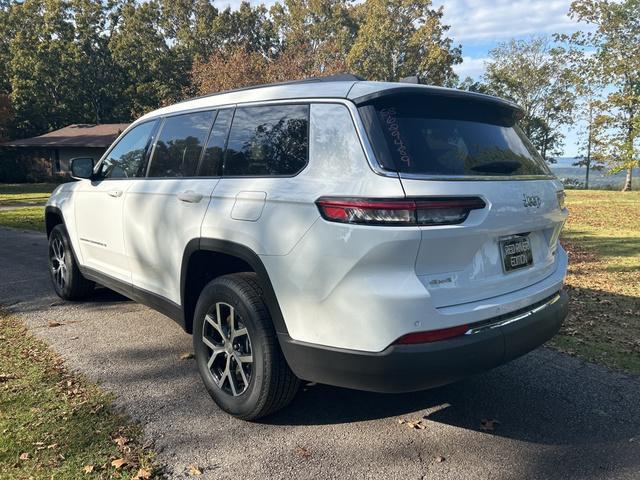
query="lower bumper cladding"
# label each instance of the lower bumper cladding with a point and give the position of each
(411, 367)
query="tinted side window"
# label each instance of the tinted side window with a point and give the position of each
(126, 159)
(179, 146)
(268, 140)
(212, 160)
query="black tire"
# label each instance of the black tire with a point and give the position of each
(65, 275)
(270, 384)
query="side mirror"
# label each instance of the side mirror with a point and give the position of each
(81, 168)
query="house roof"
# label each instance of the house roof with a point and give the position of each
(77, 135)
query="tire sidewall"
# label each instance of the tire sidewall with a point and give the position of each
(61, 233)
(223, 290)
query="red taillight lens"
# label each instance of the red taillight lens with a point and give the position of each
(432, 336)
(423, 211)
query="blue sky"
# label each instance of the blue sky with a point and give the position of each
(479, 25)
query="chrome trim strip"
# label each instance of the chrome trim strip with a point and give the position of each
(507, 321)
(475, 178)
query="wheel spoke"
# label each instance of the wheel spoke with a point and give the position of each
(239, 333)
(209, 343)
(216, 351)
(245, 358)
(220, 381)
(242, 374)
(219, 320)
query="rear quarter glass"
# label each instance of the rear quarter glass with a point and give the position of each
(427, 135)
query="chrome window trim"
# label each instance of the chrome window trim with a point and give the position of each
(474, 178)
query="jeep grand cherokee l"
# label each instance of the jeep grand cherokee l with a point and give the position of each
(378, 236)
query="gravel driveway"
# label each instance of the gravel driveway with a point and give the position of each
(558, 416)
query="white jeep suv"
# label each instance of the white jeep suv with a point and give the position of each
(379, 236)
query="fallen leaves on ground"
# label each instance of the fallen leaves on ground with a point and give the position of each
(416, 425)
(186, 356)
(121, 441)
(143, 474)
(53, 323)
(302, 452)
(194, 471)
(488, 424)
(440, 459)
(88, 468)
(24, 456)
(118, 463)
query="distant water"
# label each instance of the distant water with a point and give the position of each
(597, 179)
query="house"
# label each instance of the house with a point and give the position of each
(60, 146)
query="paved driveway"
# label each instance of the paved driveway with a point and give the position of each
(559, 418)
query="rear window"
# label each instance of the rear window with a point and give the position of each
(268, 140)
(450, 137)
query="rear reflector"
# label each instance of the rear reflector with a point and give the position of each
(432, 336)
(418, 211)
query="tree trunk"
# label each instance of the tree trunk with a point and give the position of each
(627, 182)
(589, 140)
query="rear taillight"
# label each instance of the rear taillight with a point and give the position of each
(432, 335)
(419, 211)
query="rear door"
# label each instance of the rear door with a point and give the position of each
(99, 204)
(165, 211)
(444, 147)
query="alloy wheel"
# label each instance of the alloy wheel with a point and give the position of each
(57, 262)
(230, 359)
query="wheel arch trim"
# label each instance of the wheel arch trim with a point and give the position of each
(243, 253)
(50, 209)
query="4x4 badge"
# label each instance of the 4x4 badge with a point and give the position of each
(531, 200)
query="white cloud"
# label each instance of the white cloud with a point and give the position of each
(481, 21)
(470, 67)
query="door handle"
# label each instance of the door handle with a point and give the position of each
(189, 196)
(115, 193)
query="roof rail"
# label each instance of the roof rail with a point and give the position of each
(341, 77)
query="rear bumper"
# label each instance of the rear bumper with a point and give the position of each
(406, 368)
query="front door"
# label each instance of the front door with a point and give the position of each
(99, 204)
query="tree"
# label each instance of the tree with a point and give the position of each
(189, 26)
(43, 71)
(226, 69)
(533, 75)
(100, 97)
(149, 70)
(401, 38)
(615, 47)
(586, 77)
(5, 40)
(6, 116)
(319, 31)
(248, 26)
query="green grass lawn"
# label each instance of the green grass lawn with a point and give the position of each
(25, 193)
(602, 236)
(21, 204)
(56, 424)
(29, 218)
